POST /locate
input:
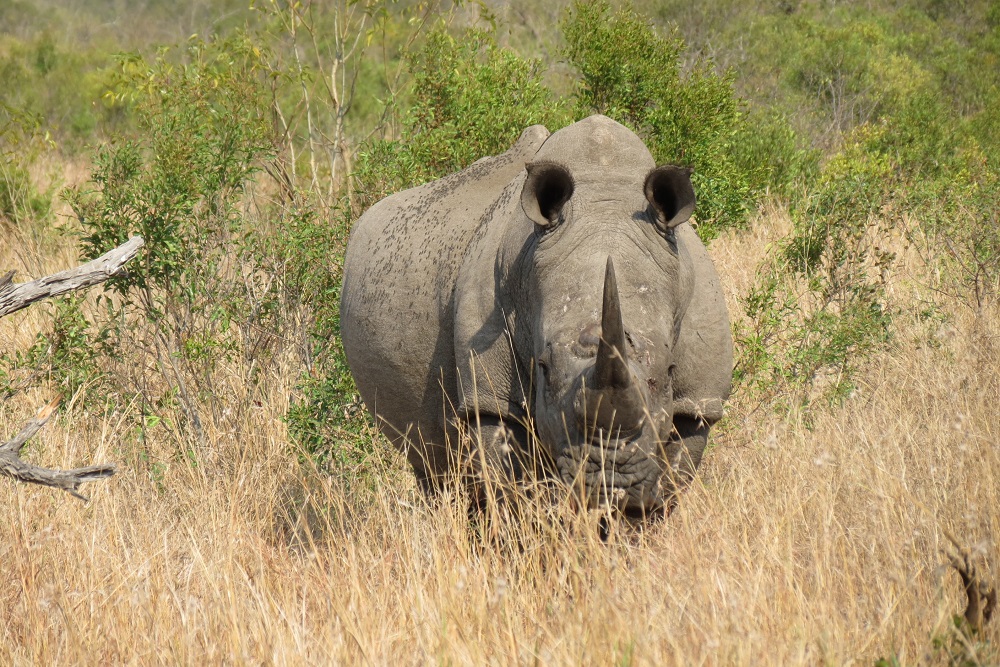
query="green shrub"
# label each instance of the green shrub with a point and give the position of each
(905, 103)
(204, 128)
(471, 98)
(819, 307)
(21, 143)
(305, 252)
(61, 87)
(774, 156)
(65, 356)
(688, 114)
(204, 132)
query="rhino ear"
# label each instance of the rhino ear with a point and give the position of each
(670, 193)
(546, 191)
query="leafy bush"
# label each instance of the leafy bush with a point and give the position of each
(906, 110)
(774, 156)
(951, 189)
(471, 98)
(305, 252)
(204, 131)
(21, 143)
(819, 307)
(56, 84)
(688, 114)
(205, 127)
(65, 356)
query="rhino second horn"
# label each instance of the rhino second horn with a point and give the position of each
(611, 368)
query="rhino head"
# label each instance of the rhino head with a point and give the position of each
(607, 288)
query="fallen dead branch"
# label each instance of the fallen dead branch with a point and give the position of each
(12, 465)
(14, 297)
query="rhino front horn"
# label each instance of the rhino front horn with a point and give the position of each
(611, 368)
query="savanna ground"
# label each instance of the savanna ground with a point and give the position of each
(814, 533)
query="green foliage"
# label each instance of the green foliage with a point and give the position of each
(205, 127)
(801, 344)
(903, 101)
(471, 98)
(687, 113)
(205, 130)
(62, 87)
(21, 143)
(305, 253)
(949, 185)
(329, 422)
(65, 356)
(820, 308)
(773, 155)
(831, 223)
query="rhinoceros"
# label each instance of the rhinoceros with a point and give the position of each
(552, 303)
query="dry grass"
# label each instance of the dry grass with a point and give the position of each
(794, 546)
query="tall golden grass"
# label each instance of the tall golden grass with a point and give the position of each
(795, 545)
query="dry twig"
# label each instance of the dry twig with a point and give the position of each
(980, 592)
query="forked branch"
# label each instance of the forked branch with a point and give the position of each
(12, 465)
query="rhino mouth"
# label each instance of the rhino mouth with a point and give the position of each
(617, 474)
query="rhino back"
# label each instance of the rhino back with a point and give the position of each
(402, 260)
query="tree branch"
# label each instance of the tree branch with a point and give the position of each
(67, 480)
(15, 296)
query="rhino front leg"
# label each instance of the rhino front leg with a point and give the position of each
(683, 454)
(497, 457)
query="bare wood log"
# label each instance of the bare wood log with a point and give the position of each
(980, 593)
(12, 465)
(15, 296)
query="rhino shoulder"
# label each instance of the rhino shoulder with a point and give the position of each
(404, 257)
(704, 350)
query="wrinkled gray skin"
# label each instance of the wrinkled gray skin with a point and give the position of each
(553, 302)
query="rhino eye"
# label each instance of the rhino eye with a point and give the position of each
(543, 361)
(543, 370)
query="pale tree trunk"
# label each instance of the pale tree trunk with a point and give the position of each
(14, 297)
